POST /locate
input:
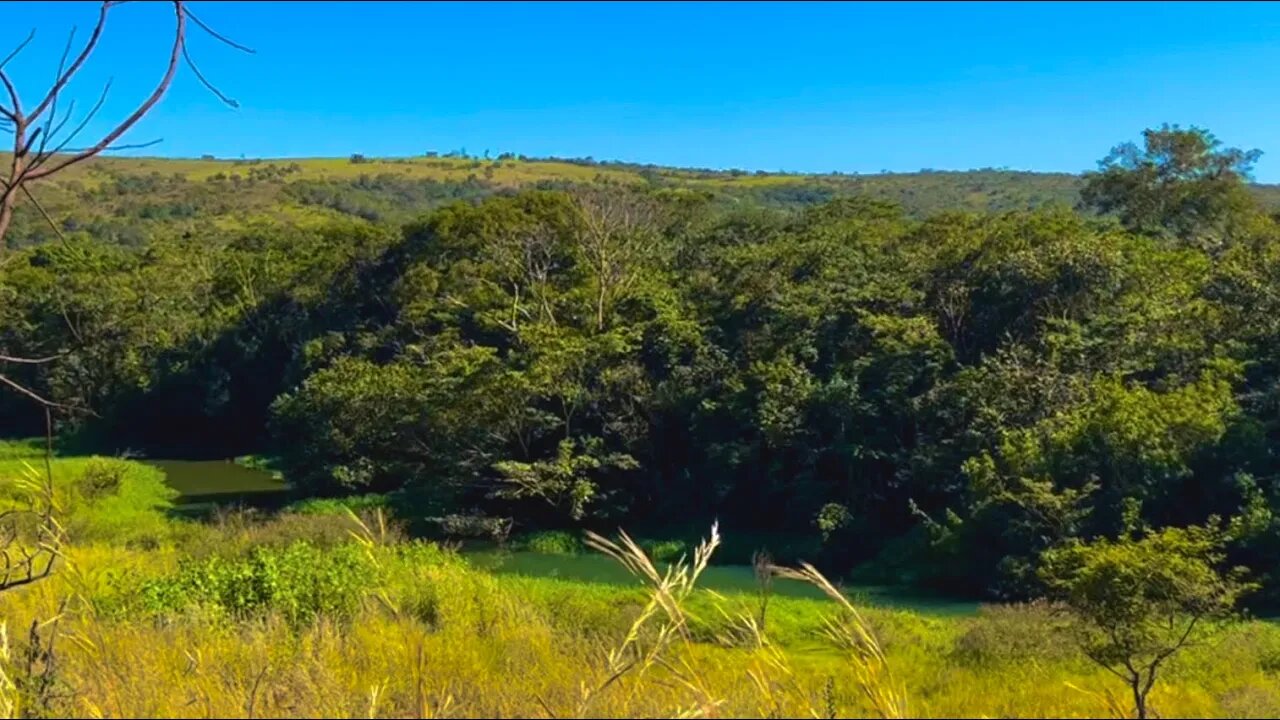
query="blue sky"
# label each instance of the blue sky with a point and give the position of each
(806, 87)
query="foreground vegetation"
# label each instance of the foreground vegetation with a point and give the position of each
(332, 615)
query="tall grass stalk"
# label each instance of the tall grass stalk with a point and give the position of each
(850, 632)
(669, 592)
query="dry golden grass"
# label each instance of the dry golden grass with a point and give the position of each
(434, 637)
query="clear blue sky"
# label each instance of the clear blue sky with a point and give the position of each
(794, 86)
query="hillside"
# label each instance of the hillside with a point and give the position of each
(126, 199)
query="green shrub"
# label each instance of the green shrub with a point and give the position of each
(300, 582)
(265, 463)
(552, 542)
(1013, 633)
(469, 526)
(338, 506)
(114, 500)
(235, 531)
(18, 449)
(665, 550)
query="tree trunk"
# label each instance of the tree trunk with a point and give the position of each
(6, 217)
(600, 307)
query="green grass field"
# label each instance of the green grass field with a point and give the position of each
(319, 614)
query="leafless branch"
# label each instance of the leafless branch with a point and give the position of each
(30, 361)
(204, 81)
(45, 214)
(30, 36)
(174, 56)
(216, 34)
(55, 130)
(24, 391)
(14, 112)
(53, 111)
(44, 157)
(41, 150)
(129, 146)
(27, 553)
(65, 76)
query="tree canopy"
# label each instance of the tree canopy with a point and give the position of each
(949, 396)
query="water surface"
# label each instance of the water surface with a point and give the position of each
(204, 484)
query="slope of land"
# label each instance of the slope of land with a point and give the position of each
(126, 199)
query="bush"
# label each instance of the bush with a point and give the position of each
(471, 526)
(18, 449)
(264, 463)
(1013, 633)
(300, 582)
(1137, 601)
(108, 499)
(234, 531)
(339, 506)
(665, 550)
(552, 542)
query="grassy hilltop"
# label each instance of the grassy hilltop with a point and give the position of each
(129, 198)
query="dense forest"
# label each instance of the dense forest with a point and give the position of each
(938, 376)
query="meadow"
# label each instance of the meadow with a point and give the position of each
(319, 611)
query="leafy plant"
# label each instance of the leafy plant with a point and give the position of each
(1138, 602)
(300, 581)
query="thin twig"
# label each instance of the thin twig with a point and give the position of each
(215, 33)
(23, 390)
(160, 89)
(53, 110)
(31, 361)
(30, 36)
(204, 81)
(65, 77)
(44, 157)
(45, 214)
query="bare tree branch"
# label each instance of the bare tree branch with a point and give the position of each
(160, 89)
(30, 36)
(43, 162)
(216, 34)
(30, 361)
(27, 555)
(44, 157)
(128, 146)
(65, 77)
(14, 112)
(53, 111)
(56, 129)
(24, 391)
(45, 214)
(204, 81)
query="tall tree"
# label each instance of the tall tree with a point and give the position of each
(1181, 184)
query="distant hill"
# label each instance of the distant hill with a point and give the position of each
(130, 198)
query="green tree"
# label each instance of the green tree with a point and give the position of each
(1137, 602)
(1181, 183)
(570, 481)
